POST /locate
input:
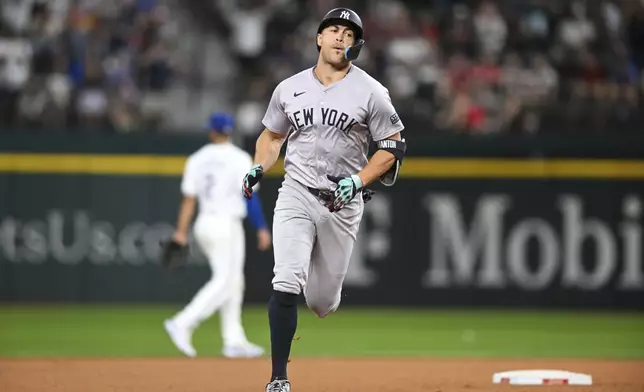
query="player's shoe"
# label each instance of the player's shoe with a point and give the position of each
(246, 350)
(278, 386)
(181, 338)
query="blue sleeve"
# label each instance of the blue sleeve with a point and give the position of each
(255, 213)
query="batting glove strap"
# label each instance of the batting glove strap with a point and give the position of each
(256, 170)
(357, 182)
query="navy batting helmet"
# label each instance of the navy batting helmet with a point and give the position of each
(350, 17)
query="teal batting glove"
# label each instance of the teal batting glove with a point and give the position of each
(347, 189)
(251, 179)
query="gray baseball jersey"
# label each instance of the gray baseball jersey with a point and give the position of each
(329, 133)
(330, 126)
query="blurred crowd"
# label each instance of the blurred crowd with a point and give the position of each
(82, 64)
(468, 66)
(473, 66)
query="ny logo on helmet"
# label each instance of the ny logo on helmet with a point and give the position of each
(345, 15)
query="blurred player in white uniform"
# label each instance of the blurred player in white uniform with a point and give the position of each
(211, 179)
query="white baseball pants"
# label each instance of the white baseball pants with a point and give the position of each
(313, 246)
(222, 241)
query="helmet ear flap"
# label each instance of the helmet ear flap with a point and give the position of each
(352, 52)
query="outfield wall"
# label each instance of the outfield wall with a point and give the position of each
(501, 221)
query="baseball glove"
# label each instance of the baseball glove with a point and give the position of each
(173, 254)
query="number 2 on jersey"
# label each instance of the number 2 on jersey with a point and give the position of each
(209, 184)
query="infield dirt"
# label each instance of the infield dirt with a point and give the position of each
(306, 374)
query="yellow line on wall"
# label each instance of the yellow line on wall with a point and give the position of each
(413, 167)
(144, 165)
(522, 168)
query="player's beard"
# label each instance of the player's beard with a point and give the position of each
(335, 58)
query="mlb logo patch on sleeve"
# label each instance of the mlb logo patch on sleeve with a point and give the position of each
(394, 118)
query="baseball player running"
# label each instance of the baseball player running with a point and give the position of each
(329, 113)
(211, 178)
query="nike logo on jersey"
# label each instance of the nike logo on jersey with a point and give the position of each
(298, 94)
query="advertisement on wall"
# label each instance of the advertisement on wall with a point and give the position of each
(493, 242)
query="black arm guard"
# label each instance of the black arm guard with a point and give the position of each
(398, 148)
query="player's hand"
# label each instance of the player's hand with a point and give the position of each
(251, 179)
(264, 239)
(180, 238)
(347, 189)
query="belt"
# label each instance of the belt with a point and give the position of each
(324, 195)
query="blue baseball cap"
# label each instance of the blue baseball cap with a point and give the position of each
(221, 122)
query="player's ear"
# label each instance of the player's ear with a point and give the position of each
(318, 38)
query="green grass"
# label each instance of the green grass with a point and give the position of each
(101, 330)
